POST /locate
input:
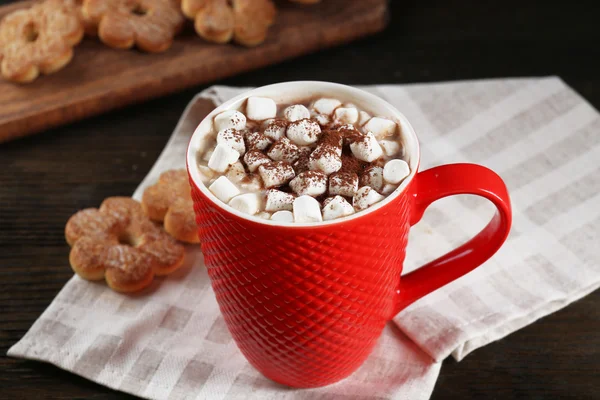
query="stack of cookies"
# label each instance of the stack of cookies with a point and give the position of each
(40, 39)
(123, 241)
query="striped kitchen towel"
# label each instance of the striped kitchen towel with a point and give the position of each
(538, 134)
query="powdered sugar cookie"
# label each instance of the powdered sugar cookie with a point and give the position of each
(169, 201)
(38, 40)
(148, 24)
(245, 21)
(120, 244)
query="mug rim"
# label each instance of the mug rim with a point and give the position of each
(408, 134)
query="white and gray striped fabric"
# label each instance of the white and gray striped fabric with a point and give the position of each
(538, 134)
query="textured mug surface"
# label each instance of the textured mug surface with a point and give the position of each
(306, 303)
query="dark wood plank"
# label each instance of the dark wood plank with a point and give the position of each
(44, 178)
(100, 78)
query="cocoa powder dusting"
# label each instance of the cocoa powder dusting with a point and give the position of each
(324, 150)
(289, 150)
(277, 123)
(331, 137)
(301, 164)
(360, 196)
(350, 164)
(310, 178)
(350, 134)
(345, 178)
(256, 140)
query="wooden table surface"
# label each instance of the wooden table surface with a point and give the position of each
(45, 178)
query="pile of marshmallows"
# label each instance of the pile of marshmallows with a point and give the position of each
(295, 151)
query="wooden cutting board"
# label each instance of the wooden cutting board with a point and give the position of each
(100, 79)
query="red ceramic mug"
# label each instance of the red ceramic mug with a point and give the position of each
(306, 303)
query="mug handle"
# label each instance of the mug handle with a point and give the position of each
(448, 180)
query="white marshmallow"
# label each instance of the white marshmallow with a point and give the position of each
(283, 216)
(230, 119)
(296, 113)
(232, 138)
(303, 132)
(326, 160)
(327, 145)
(366, 149)
(326, 106)
(256, 140)
(322, 119)
(264, 215)
(254, 159)
(346, 115)
(388, 189)
(222, 157)
(390, 147)
(372, 177)
(366, 197)
(338, 149)
(206, 174)
(343, 184)
(275, 130)
(311, 183)
(395, 171)
(307, 209)
(380, 127)
(284, 150)
(337, 207)
(326, 201)
(363, 117)
(236, 172)
(278, 200)
(259, 108)
(208, 154)
(223, 189)
(276, 173)
(248, 203)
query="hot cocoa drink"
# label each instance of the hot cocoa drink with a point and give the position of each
(315, 160)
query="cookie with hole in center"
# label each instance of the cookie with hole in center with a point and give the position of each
(118, 243)
(38, 40)
(245, 21)
(169, 201)
(150, 25)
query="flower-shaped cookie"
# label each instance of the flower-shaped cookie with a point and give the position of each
(246, 21)
(169, 200)
(37, 40)
(148, 24)
(120, 244)
(90, 28)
